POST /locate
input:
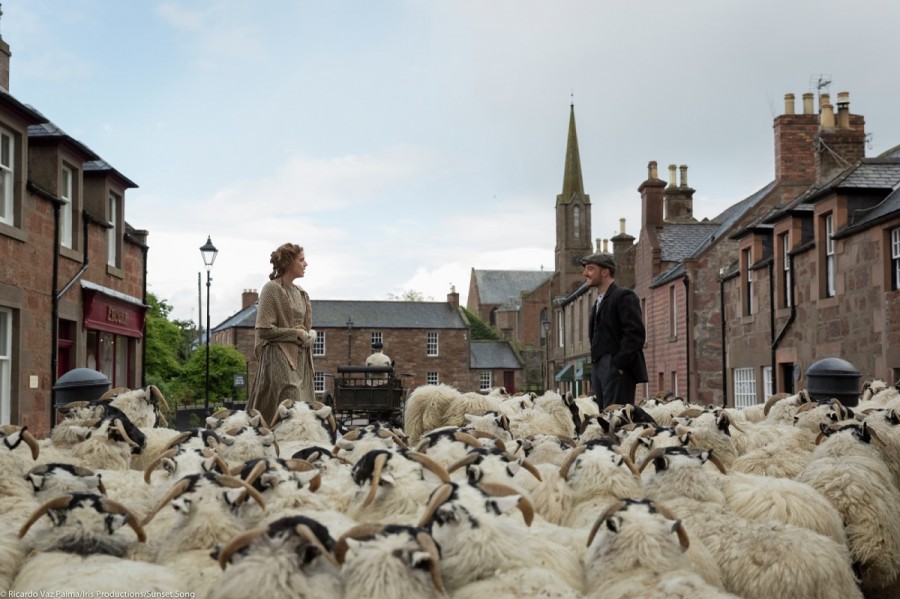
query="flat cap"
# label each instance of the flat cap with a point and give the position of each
(601, 259)
(377, 345)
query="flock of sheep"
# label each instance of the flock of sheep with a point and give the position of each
(480, 495)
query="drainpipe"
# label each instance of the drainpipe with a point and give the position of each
(790, 319)
(54, 296)
(772, 321)
(724, 363)
(687, 330)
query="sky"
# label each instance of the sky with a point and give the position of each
(403, 143)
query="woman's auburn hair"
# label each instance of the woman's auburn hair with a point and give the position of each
(282, 257)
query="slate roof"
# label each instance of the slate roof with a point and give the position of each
(498, 286)
(486, 355)
(887, 209)
(703, 238)
(368, 314)
(678, 241)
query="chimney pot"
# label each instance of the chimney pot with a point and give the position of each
(827, 119)
(672, 168)
(808, 103)
(843, 104)
(606, 246)
(788, 103)
(622, 226)
(683, 169)
(652, 172)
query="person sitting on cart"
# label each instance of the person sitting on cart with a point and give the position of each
(379, 358)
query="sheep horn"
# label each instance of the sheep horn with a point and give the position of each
(424, 443)
(234, 482)
(238, 543)
(305, 532)
(808, 406)
(438, 498)
(112, 393)
(470, 458)
(499, 490)
(303, 466)
(679, 525)
(331, 421)
(117, 422)
(629, 463)
(428, 544)
(389, 434)
(431, 464)
(468, 439)
(158, 397)
(498, 442)
(212, 453)
(772, 401)
(634, 446)
(178, 439)
(380, 461)
(148, 471)
(651, 455)
(615, 507)
(176, 490)
(717, 462)
(531, 468)
(360, 531)
(117, 508)
(612, 407)
(570, 458)
(32, 443)
(690, 413)
(56, 503)
(255, 472)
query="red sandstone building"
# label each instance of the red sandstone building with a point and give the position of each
(73, 276)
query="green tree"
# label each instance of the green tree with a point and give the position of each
(167, 346)
(224, 363)
(409, 295)
(481, 331)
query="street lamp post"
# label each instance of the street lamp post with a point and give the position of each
(209, 253)
(349, 339)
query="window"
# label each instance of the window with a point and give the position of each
(767, 382)
(7, 176)
(114, 355)
(319, 344)
(829, 256)
(895, 259)
(560, 330)
(576, 222)
(377, 337)
(485, 380)
(673, 313)
(744, 387)
(746, 263)
(319, 382)
(432, 378)
(673, 387)
(65, 212)
(113, 233)
(787, 292)
(5, 365)
(431, 344)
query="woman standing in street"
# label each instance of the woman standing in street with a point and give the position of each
(284, 336)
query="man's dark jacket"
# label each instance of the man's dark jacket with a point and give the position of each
(618, 329)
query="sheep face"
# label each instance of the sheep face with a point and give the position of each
(50, 480)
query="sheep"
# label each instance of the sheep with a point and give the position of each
(389, 561)
(244, 443)
(290, 557)
(433, 406)
(447, 445)
(550, 415)
(359, 441)
(304, 422)
(479, 541)
(227, 419)
(850, 473)
(636, 548)
(283, 484)
(547, 449)
(397, 485)
(13, 437)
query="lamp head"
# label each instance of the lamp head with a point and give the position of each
(209, 252)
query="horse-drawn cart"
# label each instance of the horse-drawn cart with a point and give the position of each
(368, 393)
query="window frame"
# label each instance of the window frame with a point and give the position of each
(7, 177)
(787, 294)
(432, 378)
(746, 264)
(432, 344)
(113, 238)
(744, 383)
(895, 259)
(67, 210)
(484, 380)
(319, 382)
(6, 327)
(673, 313)
(318, 346)
(828, 231)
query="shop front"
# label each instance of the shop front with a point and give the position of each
(114, 327)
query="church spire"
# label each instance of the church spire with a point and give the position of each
(572, 180)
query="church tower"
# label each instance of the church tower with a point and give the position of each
(573, 217)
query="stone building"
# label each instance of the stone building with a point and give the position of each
(73, 277)
(429, 342)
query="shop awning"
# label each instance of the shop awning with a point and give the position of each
(583, 371)
(567, 373)
(113, 312)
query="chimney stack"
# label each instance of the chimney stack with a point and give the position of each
(453, 298)
(827, 119)
(683, 171)
(679, 200)
(651, 192)
(794, 143)
(839, 147)
(248, 298)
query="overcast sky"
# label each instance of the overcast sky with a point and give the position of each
(405, 142)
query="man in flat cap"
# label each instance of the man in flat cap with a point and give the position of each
(379, 358)
(616, 329)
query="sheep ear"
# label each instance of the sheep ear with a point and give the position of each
(323, 412)
(685, 438)
(57, 516)
(234, 496)
(255, 421)
(419, 558)
(169, 465)
(37, 481)
(704, 455)
(614, 524)
(116, 521)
